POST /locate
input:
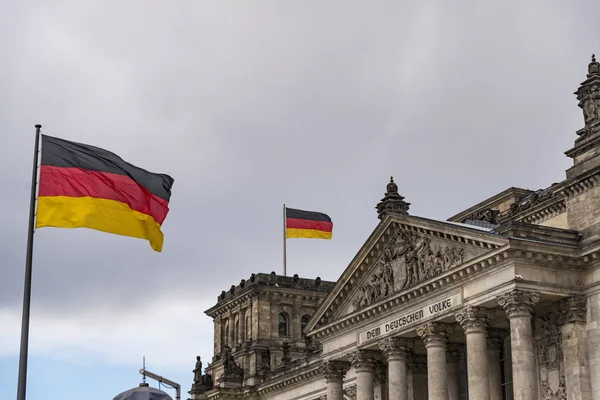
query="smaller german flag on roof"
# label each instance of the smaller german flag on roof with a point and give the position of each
(307, 224)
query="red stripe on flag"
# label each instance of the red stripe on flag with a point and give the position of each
(77, 182)
(309, 224)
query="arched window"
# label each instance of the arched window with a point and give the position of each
(283, 325)
(304, 321)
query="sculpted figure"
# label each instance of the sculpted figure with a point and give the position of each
(198, 370)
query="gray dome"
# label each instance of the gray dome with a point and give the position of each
(143, 393)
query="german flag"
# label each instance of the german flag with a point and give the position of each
(83, 186)
(307, 224)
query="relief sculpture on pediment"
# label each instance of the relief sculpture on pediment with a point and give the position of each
(407, 261)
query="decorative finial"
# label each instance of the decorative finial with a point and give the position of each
(392, 201)
(593, 67)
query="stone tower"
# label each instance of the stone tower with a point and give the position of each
(258, 327)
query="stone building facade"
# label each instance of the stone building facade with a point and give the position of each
(499, 302)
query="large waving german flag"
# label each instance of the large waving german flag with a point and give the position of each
(307, 224)
(83, 186)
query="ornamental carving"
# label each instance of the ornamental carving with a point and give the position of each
(396, 348)
(548, 341)
(364, 360)
(572, 310)
(409, 260)
(435, 334)
(350, 392)
(474, 319)
(526, 203)
(334, 371)
(488, 215)
(518, 303)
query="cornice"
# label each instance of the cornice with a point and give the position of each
(292, 377)
(287, 297)
(556, 204)
(512, 192)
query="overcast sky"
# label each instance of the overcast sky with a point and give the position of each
(248, 105)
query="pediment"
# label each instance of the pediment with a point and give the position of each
(402, 252)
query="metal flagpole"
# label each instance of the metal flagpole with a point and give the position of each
(284, 241)
(28, 269)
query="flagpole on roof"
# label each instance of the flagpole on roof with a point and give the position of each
(284, 241)
(22, 382)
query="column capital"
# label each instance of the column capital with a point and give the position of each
(396, 348)
(435, 334)
(364, 360)
(495, 338)
(335, 370)
(518, 303)
(572, 310)
(474, 319)
(454, 352)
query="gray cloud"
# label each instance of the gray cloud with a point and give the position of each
(253, 104)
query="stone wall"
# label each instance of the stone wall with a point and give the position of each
(560, 221)
(583, 214)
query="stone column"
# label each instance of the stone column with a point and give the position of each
(495, 342)
(518, 305)
(334, 372)
(453, 355)
(435, 335)
(572, 318)
(363, 362)
(396, 350)
(474, 321)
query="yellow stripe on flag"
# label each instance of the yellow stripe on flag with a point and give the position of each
(306, 234)
(99, 214)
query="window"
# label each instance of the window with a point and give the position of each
(283, 325)
(304, 321)
(236, 334)
(248, 328)
(226, 333)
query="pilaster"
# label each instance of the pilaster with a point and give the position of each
(495, 343)
(572, 321)
(454, 353)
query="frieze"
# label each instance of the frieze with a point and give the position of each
(350, 392)
(550, 358)
(408, 261)
(487, 215)
(526, 203)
